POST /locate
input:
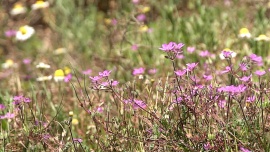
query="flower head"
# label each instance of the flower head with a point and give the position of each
(227, 53)
(190, 49)
(2, 107)
(44, 78)
(42, 65)
(17, 9)
(59, 75)
(244, 33)
(60, 51)
(180, 72)
(260, 72)
(191, 66)
(141, 17)
(262, 37)
(138, 71)
(105, 73)
(244, 149)
(143, 28)
(40, 4)
(87, 72)
(24, 33)
(204, 53)
(251, 99)
(8, 64)
(10, 33)
(246, 78)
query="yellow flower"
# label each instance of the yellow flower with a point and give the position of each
(145, 9)
(70, 113)
(18, 8)
(9, 63)
(143, 28)
(59, 75)
(40, 4)
(262, 37)
(67, 70)
(107, 21)
(24, 33)
(244, 33)
(75, 121)
(60, 51)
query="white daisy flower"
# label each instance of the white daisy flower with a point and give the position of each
(262, 37)
(233, 54)
(44, 78)
(40, 4)
(42, 65)
(59, 75)
(8, 64)
(17, 9)
(244, 33)
(24, 33)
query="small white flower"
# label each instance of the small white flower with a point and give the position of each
(42, 65)
(24, 33)
(8, 64)
(221, 56)
(44, 78)
(40, 4)
(18, 9)
(262, 37)
(244, 33)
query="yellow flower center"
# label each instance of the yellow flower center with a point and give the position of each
(59, 73)
(262, 36)
(23, 30)
(18, 6)
(9, 62)
(243, 31)
(39, 2)
(227, 49)
(143, 28)
(145, 9)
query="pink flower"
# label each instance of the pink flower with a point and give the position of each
(243, 67)
(138, 104)
(191, 66)
(251, 99)
(95, 78)
(105, 73)
(115, 83)
(26, 61)
(138, 71)
(246, 78)
(135, 1)
(99, 109)
(152, 71)
(190, 49)
(204, 53)
(87, 72)
(8, 116)
(167, 47)
(208, 77)
(260, 72)
(180, 72)
(244, 149)
(10, 33)
(134, 47)
(68, 78)
(180, 56)
(227, 69)
(114, 22)
(141, 17)
(2, 107)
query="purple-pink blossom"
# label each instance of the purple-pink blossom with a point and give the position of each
(105, 73)
(222, 103)
(246, 78)
(68, 78)
(152, 71)
(134, 47)
(204, 53)
(77, 140)
(138, 71)
(10, 33)
(207, 77)
(251, 99)
(141, 17)
(260, 72)
(191, 66)
(87, 72)
(227, 69)
(2, 107)
(190, 49)
(180, 72)
(8, 116)
(244, 149)
(95, 78)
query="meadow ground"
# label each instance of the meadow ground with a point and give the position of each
(134, 75)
